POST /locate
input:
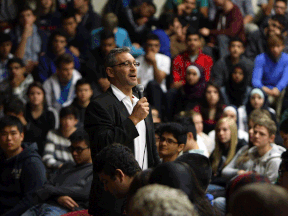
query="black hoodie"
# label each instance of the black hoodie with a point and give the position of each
(20, 177)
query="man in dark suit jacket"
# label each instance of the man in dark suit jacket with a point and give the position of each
(118, 116)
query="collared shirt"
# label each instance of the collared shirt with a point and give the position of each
(140, 148)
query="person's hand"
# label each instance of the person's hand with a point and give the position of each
(136, 45)
(28, 31)
(75, 51)
(150, 57)
(204, 31)
(30, 66)
(275, 92)
(141, 21)
(267, 90)
(210, 45)
(67, 202)
(180, 9)
(240, 172)
(140, 111)
(60, 166)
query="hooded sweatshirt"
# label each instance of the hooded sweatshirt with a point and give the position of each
(269, 163)
(20, 177)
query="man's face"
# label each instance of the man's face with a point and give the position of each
(5, 49)
(107, 45)
(80, 152)
(27, 18)
(198, 122)
(84, 92)
(274, 27)
(79, 3)
(169, 146)
(261, 137)
(59, 43)
(276, 50)
(68, 122)
(220, 3)
(152, 46)
(11, 139)
(193, 42)
(16, 70)
(223, 133)
(236, 49)
(46, 4)
(123, 75)
(65, 72)
(237, 75)
(285, 138)
(280, 8)
(147, 10)
(190, 5)
(69, 25)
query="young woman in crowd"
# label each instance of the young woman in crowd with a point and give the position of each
(236, 91)
(257, 100)
(227, 145)
(40, 118)
(211, 108)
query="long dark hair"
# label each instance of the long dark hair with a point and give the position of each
(204, 106)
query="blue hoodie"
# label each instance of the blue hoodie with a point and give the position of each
(20, 177)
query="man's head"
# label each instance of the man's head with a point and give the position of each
(80, 147)
(147, 9)
(5, 45)
(189, 6)
(65, 68)
(80, 4)
(152, 43)
(16, 68)
(108, 42)
(121, 68)
(69, 23)
(236, 47)
(116, 167)
(276, 45)
(280, 7)
(11, 135)
(84, 91)
(68, 118)
(58, 40)
(264, 132)
(284, 131)
(14, 107)
(193, 41)
(110, 22)
(276, 24)
(26, 16)
(173, 139)
(220, 3)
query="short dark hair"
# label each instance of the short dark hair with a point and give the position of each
(13, 105)
(150, 3)
(192, 32)
(285, 1)
(70, 110)
(236, 39)
(152, 36)
(116, 156)
(105, 34)
(188, 124)
(165, 20)
(65, 58)
(58, 32)
(16, 60)
(4, 38)
(281, 19)
(82, 81)
(67, 15)
(80, 135)
(9, 121)
(178, 131)
(25, 8)
(284, 126)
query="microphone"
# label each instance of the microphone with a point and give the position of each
(140, 90)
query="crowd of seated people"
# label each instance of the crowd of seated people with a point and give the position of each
(215, 74)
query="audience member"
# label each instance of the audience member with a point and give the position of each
(17, 82)
(28, 40)
(15, 107)
(279, 8)
(282, 172)
(152, 72)
(177, 40)
(39, 117)
(8, 13)
(63, 192)
(237, 90)
(155, 115)
(284, 132)
(211, 108)
(47, 63)
(222, 69)
(228, 23)
(60, 87)
(5, 54)
(110, 23)
(153, 200)
(22, 171)
(56, 149)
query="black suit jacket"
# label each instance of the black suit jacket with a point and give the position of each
(106, 122)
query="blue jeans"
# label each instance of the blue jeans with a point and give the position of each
(45, 209)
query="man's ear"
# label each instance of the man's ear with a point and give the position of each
(110, 72)
(119, 174)
(181, 147)
(190, 136)
(272, 138)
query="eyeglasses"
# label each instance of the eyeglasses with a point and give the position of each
(169, 141)
(79, 150)
(128, 64)
(279, 7)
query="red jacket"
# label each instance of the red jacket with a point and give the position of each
(182, 61)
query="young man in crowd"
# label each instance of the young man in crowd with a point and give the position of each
(228, 23)
(223, 67)
(47, 62)
(22, 171)
(280, 8)
(5, 54)
(84, 93)
(28, 41)
(56, 150)
(63, 192)
(60, 87)
(152, 72)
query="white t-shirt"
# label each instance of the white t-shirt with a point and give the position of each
(146, 72)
